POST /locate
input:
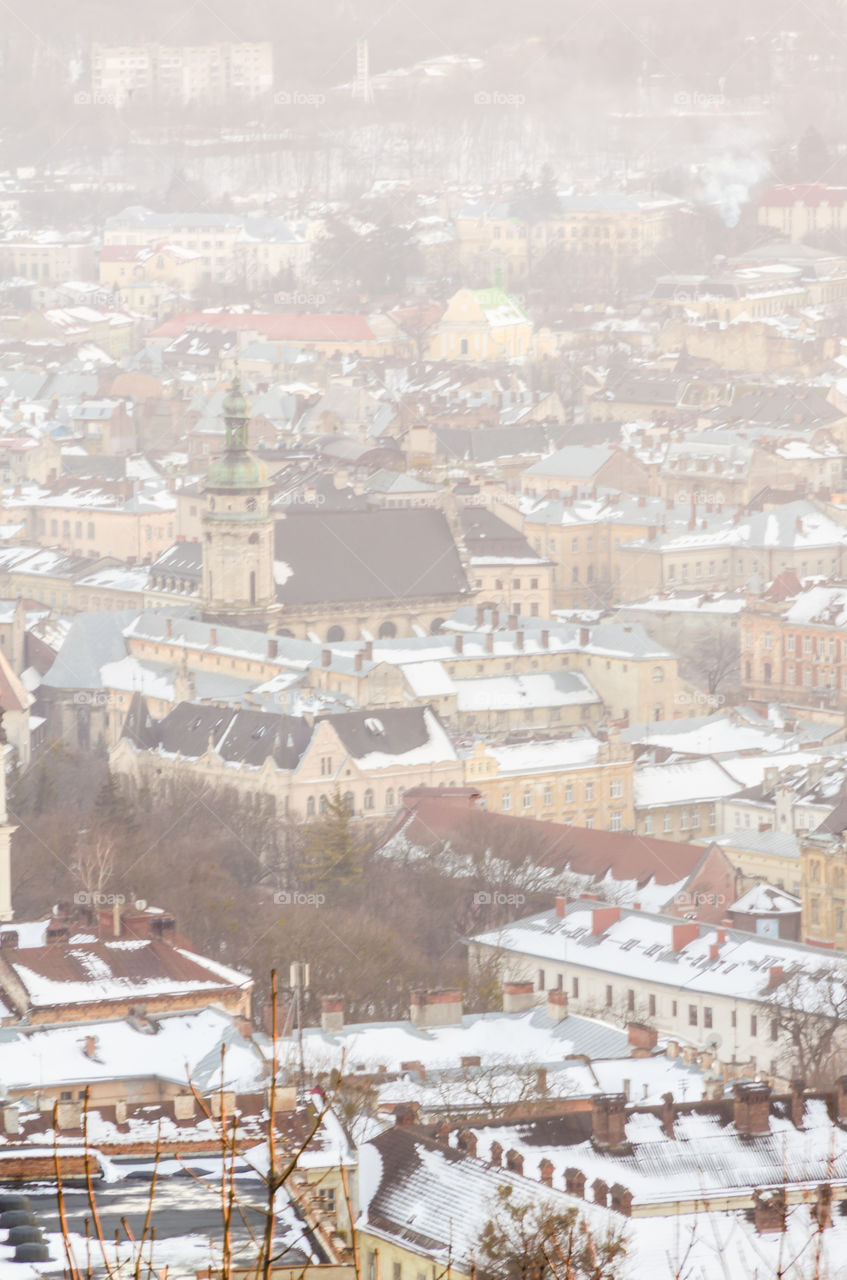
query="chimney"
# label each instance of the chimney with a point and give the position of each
(557, 1005)
(575, 1183)
(273, 648)
(518, 997)
(213, 637)
(442, 1008)
(513, 622)
(519, 640)
(584, 637)
(682, 934)
(601, 1192)
(561, 905)
(489, 642)
(90, 1047)
(480, 616)
(602, 918)
(466, 1141)
(752, 1108)
(798, 1103)
(496, 1155)
(769, 1210)
(169, 627)
(608, 1119)
(714, 951)
(640, 1036)
(357, 662)
(541, 1079)
(672, 1049)
(458, 644)
(651, 533)
(406, 1114)
(326, 657)
(776, 976)
(514, 1161)
(822, 1208)
(545, 639)
(545, 1173)
(116, 920)
(622, 1200)
(495, 619)
(841, 1099)
(332, 1014)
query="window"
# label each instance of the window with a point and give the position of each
(507, 800)
(668, 823)
(527, 799)
(754, 1025)
(389, 798)
(648, 825)
(651, 1006)
(369, 799)
(617, 788)
(767, 642)
(540, 983)
(569, 793)
(707, 1017)
(733, 1019)
(548, 795)
(310, 807)
(589, 790)
(91, 528)
(774, 1029)
(692, 1015)
(326, 766)
(615, 820)
(630, 1000)
(608, 996)
(658, 675)
(673, 1008)
(575, 987)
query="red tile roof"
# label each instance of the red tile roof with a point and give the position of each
(276, 328)
(626, 856)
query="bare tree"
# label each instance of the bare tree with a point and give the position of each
(807, 1012)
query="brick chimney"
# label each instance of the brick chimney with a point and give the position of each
(489, 642)
(584, 637)
(752, 1108)
(682, 934)
(545, 1173)
(575, 1182)
(513, 622)
(519, 639)
(602, 918)
(441, 1008)
(776, 976)
(769, 1210)
(545, 639)
(557, 1005)
(561, 905)
(514, 1161)
(326, 657)
(213, 636)
(496, 1155)
(668, 1115)
(608, 1119)
(822, 1208)
(458, 643)
(798, 1103)
(601, 1192)
(369, 650)
(332, 1014)
(622, 1200)
(273, 648)
(518, 997)
(640, 1036)
(357, 662)
(466, 1141)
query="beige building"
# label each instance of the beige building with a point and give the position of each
(581, 781)
(482, 324)
(205, 73)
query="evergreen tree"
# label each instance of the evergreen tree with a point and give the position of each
(332, 855)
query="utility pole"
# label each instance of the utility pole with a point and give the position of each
(299, 983)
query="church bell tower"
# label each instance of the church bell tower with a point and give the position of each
(239, 587)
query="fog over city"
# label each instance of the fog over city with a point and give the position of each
(423, 640)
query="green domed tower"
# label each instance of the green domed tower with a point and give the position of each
(238, 530)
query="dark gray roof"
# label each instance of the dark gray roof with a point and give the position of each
(184, 558)
(392, 730)
(378, 554)
(93, 466)
(238, 736)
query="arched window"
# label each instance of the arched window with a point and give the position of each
(658, 675)
(310, 807)
(435, 626)
(322, 805)
(349, 801)
(389, 798)
(369, 799)
(252, 586)
(335, 634)
(387, 631)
